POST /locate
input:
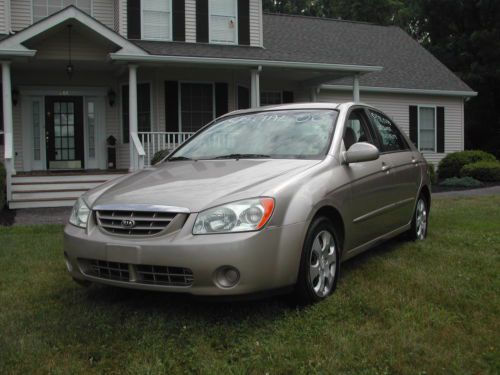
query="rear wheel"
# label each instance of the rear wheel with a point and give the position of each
(320, 263)
(418, 230)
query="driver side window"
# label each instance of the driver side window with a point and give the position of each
(356, 129)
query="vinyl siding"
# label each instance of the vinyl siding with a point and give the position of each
(3, 17)
(18, 136)
(104, 11)
(191, 21)
(397, 107)
(20, 14)
(255, 23)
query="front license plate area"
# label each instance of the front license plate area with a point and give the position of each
(123, 254)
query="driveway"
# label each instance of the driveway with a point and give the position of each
(491, 190)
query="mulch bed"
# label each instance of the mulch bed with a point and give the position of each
(7, 217)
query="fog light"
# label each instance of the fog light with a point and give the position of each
(227, 276)
(68, 264)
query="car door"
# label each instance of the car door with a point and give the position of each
(402, 162)
(370, 184)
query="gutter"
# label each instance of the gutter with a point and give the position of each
(396, 90)
(244, 62)
(17, 53)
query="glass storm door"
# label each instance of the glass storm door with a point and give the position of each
(64, 131)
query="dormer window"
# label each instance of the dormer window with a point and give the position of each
(156, 19)
(44, 8)
(223, 21)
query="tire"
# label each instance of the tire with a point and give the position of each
(420, 220)
(319, 264)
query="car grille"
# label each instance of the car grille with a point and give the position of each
(162, 275)
(138, 223)
(139, 274)
(108, 270)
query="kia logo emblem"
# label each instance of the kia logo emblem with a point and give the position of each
(127, 223)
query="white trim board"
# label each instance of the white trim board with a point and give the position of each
(401, 90)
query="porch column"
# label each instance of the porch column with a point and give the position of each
(7, 117)
(132, 113)
(314, 94)
(355, 88)
(255, 88)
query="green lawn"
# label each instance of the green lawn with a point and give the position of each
(404, 308)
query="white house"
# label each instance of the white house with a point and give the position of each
(151, 72)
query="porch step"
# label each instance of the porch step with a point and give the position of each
(53, 190)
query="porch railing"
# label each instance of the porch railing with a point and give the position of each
(138, 153)
(157, 141)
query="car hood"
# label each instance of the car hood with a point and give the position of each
(201, 184)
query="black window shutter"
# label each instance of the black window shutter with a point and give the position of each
(414, 124)
(440, 129)
(244, 22)
(221, 99)
(243, 97)
(202, 21)
(178, 20)
(134, 19)
(171, 106)
(287, 96)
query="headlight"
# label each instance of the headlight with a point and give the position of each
(80, 214)
(241, 216)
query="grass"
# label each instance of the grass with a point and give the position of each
(404, 308)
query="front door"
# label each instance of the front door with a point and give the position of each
(64, 131)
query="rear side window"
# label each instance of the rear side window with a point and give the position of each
(391, 138)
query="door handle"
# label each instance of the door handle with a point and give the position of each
(385, 167)
(414, 161)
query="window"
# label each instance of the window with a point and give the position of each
(391, 138)
(270, 97)
(427, 128)
(356, 129)
(223, 21)
(156, 19)
(36, 131)
(197, 105)
(91, 128)
(44, 8)
(143, 109)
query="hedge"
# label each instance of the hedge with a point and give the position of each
(158, 156)
(3, 187)
(482, 170)
(466, 182)
(432, 173)
(452, 164)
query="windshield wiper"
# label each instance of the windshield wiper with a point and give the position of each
(242, 156)
(179, 158)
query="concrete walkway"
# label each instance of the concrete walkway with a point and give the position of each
(492, 190)
(32, 216)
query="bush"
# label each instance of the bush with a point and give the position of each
(451, 164)
(482, 171)
(3, 187)
(158, 156)
(466, 182)
(432, 173)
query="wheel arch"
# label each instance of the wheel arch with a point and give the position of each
(334, 215)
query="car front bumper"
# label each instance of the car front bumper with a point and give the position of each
(267, 259)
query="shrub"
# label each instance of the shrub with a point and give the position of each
(432, 173)
(158, 156)
(451, 164)
(3, 187)
(467, 182)
(482, 170)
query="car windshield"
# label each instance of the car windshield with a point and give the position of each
(301, 134)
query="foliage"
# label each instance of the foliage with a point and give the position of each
(466, 182)
(437, 299)
(158, 156)
(432, 173)
(451, 164)
(3, 186)
(482, 171)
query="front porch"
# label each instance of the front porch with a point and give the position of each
(78, 97)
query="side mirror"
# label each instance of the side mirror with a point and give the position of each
(360, 152)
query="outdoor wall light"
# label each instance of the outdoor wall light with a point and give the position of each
(111, 97)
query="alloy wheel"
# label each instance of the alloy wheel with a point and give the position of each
(322, 263)
(421, 219)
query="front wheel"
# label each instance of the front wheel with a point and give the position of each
(320, 263)
(418, 230)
